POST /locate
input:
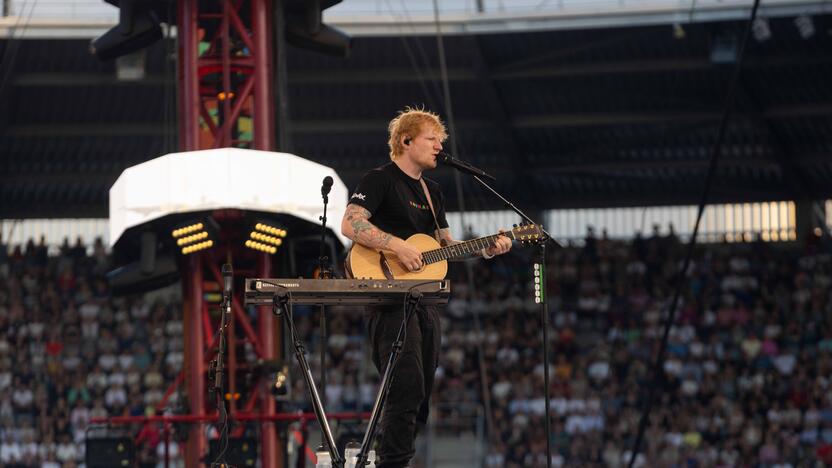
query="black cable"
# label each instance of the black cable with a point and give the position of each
(223, 441)
(414, 63)
(168, 94)
(406, 298)
(221, 408)
(422, 54)
(410, 289)
(469, 268)
(682, 274)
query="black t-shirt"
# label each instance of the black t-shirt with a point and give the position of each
(397, 203)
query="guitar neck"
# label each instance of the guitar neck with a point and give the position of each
(462, 249)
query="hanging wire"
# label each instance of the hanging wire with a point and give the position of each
(469, 268)
(169, 89)
(658, 364)
(421, 71)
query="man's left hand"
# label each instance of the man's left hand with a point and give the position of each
(501, 245)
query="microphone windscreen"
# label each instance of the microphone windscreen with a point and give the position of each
(227, 277)
(326, 186)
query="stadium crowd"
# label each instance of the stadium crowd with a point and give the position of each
(746, 381)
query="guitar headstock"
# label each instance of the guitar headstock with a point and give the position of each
(528, 233)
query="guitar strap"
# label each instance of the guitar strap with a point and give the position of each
(433, 212)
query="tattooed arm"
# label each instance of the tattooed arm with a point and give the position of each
(356, 226)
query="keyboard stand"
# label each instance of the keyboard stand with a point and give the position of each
(280, 307)
(356, 292)
(384, 388)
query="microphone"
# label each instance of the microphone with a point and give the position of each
(228, 284)
(448, 160)
(327, 186)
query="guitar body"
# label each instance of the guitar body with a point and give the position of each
(363, 262)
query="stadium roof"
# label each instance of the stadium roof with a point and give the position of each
(615, 116)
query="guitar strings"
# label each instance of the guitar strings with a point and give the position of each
(444, 253)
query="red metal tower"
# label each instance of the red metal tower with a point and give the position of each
(226, 101)
(225, 74)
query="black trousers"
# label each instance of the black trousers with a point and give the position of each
(406, 408)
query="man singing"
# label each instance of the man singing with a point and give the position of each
(390, 204)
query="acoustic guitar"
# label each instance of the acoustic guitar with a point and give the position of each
(366, 263)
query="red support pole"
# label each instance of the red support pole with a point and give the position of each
(227, 119)
(270, 456)
(188, 75)
(194, 359)
(166, 432)
(224, 132)
(244, 77)
(261, 18)
(304, 418)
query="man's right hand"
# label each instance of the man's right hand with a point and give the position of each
(409, 256)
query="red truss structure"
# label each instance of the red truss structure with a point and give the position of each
(226, 100)
(225, 74)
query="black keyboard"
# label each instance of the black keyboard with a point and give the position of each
(346, 291)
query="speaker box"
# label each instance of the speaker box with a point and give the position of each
(109, 452)
(241, 452)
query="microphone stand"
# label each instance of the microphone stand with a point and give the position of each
(219, 367)
(324, 272)
(540, 298)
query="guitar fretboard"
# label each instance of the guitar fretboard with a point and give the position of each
(462, 249)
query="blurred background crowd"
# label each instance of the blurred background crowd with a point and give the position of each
(746, 381)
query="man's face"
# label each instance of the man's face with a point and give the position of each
(424, 147)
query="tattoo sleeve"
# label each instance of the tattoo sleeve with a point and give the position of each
(363, 231)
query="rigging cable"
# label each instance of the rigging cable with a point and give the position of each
(469, 268)
(658, 364)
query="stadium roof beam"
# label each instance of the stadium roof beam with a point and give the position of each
(624, 118)
(600, 166)
(798, 183)
(54, 20)
(87, 79)
(499, 113)
(645, 196)
(613, 67)
(402, 75)
(99, 179)
(568, 15)
(88, 129)
(564, 120)
(46, 209)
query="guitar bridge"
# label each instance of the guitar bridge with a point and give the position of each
(385, 267)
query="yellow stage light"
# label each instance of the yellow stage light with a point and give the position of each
(265, 237)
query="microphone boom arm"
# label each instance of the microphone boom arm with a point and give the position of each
(448, 160)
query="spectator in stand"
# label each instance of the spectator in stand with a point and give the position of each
(747, 374)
